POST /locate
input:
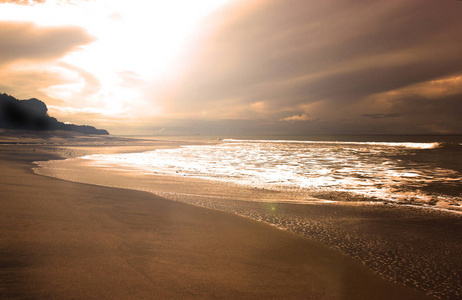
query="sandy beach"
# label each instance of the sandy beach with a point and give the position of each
(230, 149)
(65, 240)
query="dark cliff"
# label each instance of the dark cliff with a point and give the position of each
(32, 114)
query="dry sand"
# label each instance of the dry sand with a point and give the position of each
(63, 240)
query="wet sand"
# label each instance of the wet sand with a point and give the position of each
(62, 240)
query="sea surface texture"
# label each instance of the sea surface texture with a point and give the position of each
(414, 173)
(392, 203)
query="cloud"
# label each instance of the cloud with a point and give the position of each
(23, 2)
(130, 79)
(325, 60)
(299, 66)
(26, 41)
(432, 89)
(295, 118)
(91, 85)
(29, 84)
(381, 116)
(34, 2)
(51, 82)
(30, 60)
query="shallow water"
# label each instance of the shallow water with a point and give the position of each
(405, 172)
(270, 180)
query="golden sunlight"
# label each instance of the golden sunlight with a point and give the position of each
(135, 42)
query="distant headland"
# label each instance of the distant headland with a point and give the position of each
(32, 114)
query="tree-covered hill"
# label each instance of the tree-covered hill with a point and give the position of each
(32, 114)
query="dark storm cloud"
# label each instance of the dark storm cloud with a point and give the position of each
(323, 61)
(26, 41)
(381, 116)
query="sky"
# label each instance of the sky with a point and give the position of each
(224, 67)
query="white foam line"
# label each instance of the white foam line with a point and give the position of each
(412, 145)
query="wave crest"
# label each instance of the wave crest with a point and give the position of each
(447, 145)
(411, 145)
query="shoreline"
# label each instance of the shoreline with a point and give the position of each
(136, 209)
(262, 194)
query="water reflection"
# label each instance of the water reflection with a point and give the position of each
(355, 171)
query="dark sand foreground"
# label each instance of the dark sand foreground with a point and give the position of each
(62, 240)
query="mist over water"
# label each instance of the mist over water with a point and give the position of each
(409, 172)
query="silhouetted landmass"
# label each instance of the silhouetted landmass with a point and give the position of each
(32, 114)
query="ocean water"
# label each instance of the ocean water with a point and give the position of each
(269, 179)
(414, 172)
